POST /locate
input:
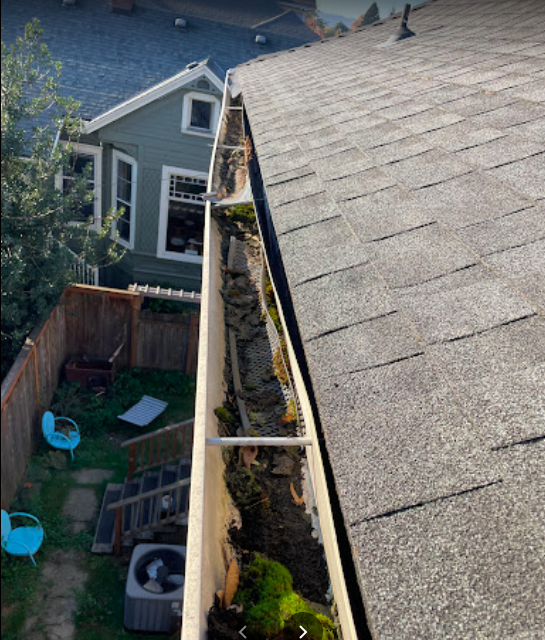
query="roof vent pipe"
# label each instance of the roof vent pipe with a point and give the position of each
(261, 39)
(403, 31)
(180, 23)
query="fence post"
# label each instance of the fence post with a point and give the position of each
(136, 303)
(36, 378)
(132, 461)
(118, 530)
(192, 346)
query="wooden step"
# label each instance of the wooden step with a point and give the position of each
(130, 489)
(150, 481)
(104, 534)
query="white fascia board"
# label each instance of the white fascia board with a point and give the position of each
(154, 93)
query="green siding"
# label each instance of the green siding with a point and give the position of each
(152, 135)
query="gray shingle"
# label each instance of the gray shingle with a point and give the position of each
(535, 130)
(473, 305)
(380, 134)
(467, 567)
(478, 103)
(361, 346)
(302, 243)
(431, 120)
(398, 150)
(429, 168)
(510, 115)
(513, 230)
(462, 135)
(531, 91)
(284, 192)
(526, 176)
(386, 213)
(388, 458)
(310, 265)
(359, 184)
(453, 366)
(342, 164)
(339, 299)
(501, 151)
(304, 212)
(472, 198)
(524, 268)
(419, 255)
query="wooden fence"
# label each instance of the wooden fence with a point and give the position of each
(89, 321)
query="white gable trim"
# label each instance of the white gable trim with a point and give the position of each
(150, 95)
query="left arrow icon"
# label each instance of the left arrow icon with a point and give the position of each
(242, 631)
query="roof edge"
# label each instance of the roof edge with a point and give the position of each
(154, 93)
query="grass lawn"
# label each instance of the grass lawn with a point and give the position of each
(49, 479)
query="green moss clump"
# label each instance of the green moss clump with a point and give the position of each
(244, 487)
(224, 415)
(266, 594)
(243, 213)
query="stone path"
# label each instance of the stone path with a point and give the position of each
(62, 575)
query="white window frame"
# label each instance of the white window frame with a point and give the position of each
(163, 214)
(116, 156)
(96, 152)
(186, 114)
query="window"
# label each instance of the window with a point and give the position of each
(124, 197)
(181, 223)
(200, 114)
(85, 160)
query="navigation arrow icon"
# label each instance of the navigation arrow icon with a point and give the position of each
(242, 631)
(304, 632)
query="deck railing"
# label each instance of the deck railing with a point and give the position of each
(159, 447)
(150, 511)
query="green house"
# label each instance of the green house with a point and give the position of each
(150, 81)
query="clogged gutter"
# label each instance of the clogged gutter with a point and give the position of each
(266, 483)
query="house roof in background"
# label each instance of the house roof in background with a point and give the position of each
(109, 58)
(406, 185)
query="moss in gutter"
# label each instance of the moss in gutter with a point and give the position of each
(267, 596)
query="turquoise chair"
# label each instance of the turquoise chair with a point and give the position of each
(58, 439)
(22, 541)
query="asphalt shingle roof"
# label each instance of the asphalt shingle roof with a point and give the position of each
(108, 58)
(406, 189)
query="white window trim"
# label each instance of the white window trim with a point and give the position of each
(90, 150)
(163, 215)
(119, 155)
(186, 114)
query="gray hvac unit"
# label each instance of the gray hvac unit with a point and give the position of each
(155, 588)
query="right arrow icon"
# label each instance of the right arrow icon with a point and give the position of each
(304, 631)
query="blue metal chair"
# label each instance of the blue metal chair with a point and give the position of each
(58, 439)
(22, 541)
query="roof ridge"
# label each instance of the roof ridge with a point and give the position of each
(345, 34)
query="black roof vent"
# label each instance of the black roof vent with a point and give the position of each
(403, 31)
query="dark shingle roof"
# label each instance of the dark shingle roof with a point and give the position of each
(108, 58)
(406, 188)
